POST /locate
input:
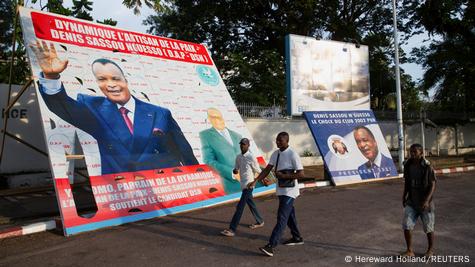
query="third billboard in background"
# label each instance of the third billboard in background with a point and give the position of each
(326, 75)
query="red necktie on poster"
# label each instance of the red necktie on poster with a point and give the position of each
(124, 112)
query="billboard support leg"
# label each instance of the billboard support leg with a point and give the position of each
(10, 75)
(36, 149)
(7, 110)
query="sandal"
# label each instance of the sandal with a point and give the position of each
(256, 225)
(228, 233)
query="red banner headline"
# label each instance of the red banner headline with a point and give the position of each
(63, 30)
(125, 194)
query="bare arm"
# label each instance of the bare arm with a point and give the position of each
(405, 195)
(426, 203)
(235, 170)
(290, 176)
(261, 176)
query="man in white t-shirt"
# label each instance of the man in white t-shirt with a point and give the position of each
(288, 169)
(247, 167)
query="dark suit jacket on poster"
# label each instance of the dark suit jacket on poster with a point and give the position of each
(221, 155)
(386, 169)
(157, 142)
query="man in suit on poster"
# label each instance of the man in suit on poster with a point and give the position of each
(132, 135)
(220, 146)
(378, 165)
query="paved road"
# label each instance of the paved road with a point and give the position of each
(361, 220)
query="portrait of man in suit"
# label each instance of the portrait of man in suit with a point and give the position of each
(378, 165)
(220, 146)
(132, 135)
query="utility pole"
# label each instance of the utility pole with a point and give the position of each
(398, 93)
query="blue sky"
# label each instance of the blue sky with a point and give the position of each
(127, 20)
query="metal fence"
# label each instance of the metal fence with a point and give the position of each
(252, 110)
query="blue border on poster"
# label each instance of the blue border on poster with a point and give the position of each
(287, 75)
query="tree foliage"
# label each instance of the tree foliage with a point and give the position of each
(81, 9)
(20, 65)
(449, 59)
(136, 5)
(246, 38)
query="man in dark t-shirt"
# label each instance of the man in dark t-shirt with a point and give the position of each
(419, 187)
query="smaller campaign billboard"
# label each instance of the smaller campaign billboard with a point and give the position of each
(352, 145)
(326, 75)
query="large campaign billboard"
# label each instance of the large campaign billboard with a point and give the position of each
(352, 145)
(326, 75)
(154, 120)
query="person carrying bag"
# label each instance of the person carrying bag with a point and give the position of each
(284, 182)
(288, 168)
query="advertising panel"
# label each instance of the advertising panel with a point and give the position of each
(352, 145)
(156, 125)
(326, 75)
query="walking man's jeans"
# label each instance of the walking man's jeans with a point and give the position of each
(246, 197)
(285, 216)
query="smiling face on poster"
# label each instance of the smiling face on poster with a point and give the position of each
(139, 105)
(352, 145)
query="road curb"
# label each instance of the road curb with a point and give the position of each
(315, 184)
(29, 229)
(53, 224)
(455, 169)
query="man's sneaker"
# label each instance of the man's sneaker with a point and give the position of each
(294, 242)
(227, 232)
(267, 250)
(256, 225)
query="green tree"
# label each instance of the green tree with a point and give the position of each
(20, 65)
(246, 38)
(81, 9)
(449, 59)
(54, 6)
(21, 68)
(108, 22)
(136, 5)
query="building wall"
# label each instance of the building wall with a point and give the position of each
(25, 124)
(265, 131)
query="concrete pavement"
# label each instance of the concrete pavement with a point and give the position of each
(359, 220)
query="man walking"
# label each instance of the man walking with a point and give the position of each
(288, 169)
(419, 187)
(247, 166)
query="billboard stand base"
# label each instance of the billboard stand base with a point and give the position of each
(5, 133)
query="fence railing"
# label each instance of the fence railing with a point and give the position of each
(252, 110)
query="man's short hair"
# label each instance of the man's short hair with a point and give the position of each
(283, 134)
(364, 128)
(105, 61)
(416, 146)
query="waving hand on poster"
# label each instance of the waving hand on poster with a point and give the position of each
(131, 134)
(48, 60)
